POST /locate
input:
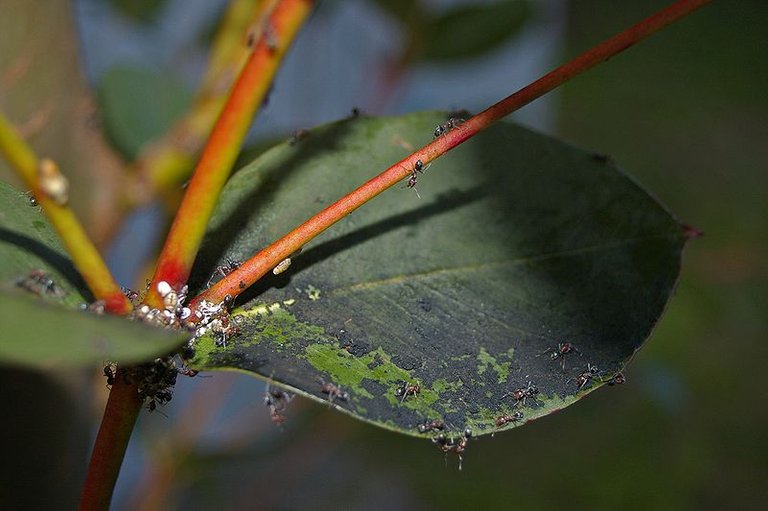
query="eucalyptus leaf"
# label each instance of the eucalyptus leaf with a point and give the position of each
(139, 105)
(472, 30)
(43, 335)
(39, 288)
(518, 243)
(29, 245)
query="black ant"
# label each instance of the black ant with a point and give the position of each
(109, 374)
(563, 349)
(417, 167)
(225, 269)
(447, 126)
(521, 394)
(617, 379)
(408, 389)
(333, 392)
(586, 376)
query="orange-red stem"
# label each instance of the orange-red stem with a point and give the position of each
(123, 407)
(213, 169)
(264, 261)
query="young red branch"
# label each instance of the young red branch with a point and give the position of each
(120, 416)
(264, 261)
(219, 155)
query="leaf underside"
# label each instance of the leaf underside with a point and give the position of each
(518, 242)
(39, 327)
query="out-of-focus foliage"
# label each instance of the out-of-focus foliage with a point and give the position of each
(140, 105)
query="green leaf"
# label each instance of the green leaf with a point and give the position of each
(139, 105)
(471, 30)
(40, 329)
(38, 334)
(28, 244)
(519, 242)
(140, 10)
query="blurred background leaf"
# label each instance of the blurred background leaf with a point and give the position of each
(469, 31)
(140, 10)
(42, 90)
(140, 105)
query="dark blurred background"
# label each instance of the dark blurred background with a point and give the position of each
(685, 113)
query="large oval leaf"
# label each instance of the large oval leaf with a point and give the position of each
(40, 329)
(518, 243)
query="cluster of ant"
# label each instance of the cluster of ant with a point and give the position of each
(154, 379)
(277, 400)
(589, 374)
(456, 445)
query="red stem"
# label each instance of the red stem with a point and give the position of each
(213, 169)
(264, 261)
(120, 416)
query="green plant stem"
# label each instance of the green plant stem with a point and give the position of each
(84, 253)
(213, 169)
(120, 416)
(264, 261)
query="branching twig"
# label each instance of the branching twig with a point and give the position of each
(264, 261)
(215, 163)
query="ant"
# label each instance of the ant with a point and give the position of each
(503, 420)
(225, 269)
(590, 374)
(521, 394)
(563, 349)
(408, 389)
(39, 283)
(333, 392)
(617, 379)
(277, 400)
(458, 446)
(417, 167)
(109, 374)
(431, 425)
(447, 126)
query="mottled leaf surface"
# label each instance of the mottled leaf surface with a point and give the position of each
(39, 326)
(518, 242)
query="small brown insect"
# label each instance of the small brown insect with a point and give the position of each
(586, 376)
(506, 419)
(297, 136)
(563, 349)
(408, 389)
(523, 393)
(277, 400)
(431, 425)
(334, 392)
(617, 379)
(39, 283)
